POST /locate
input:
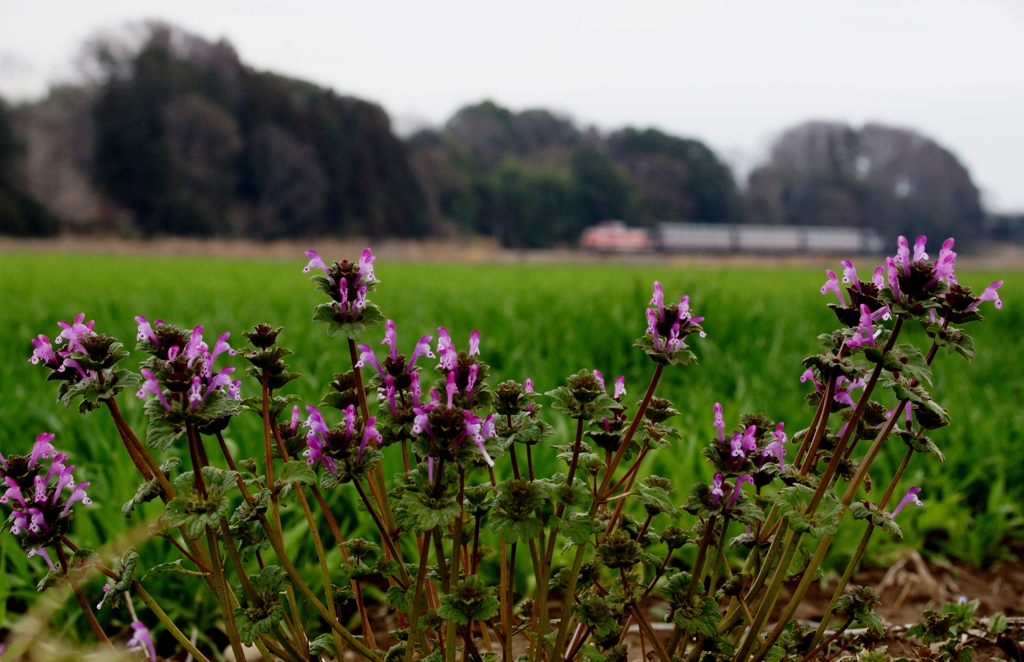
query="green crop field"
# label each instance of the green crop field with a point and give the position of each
(542, 322)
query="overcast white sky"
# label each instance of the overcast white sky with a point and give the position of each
(732, 73)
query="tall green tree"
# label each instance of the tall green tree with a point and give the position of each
(194, 142)
(20, 214)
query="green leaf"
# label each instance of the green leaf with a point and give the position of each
(297, 471)
(793, 503)
(195, 512)
(422, 512)
(400, 600)
(125, 574)
(701, 615)
(161, 433)
(909, 361)
(577, 527)
(656, 500)
(78, 563)
(172, 566)
(253, 621)
(682, 356)
(270, 582)
(516, 530)
(997, 623)
(322, 646)
(470, 599)
(148, 490)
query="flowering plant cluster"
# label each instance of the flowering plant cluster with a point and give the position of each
(469, 508)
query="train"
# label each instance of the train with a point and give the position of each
(616, 236)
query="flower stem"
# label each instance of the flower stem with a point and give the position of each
(154, 607)
(854, 563)
(223, 596)
(318, 606)
(456, 558)
(421, 577)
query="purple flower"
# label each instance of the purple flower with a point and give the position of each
(474, 343)
(343, 295)
(908, 498)
(989, 294)
(315, 263)
(195, 347)
(74, 332)
(878, 278)
(141, 637)
(414, 386)
(850, 275)
(316, 439)
(151, 385)
(422, 349)
(660, 317)
(221, 346)
(195, 392)
(35, 512)
(832, 285)
(471, 381)
(294, 424)
(474, 430)
(745, 478)
(42, 449)
(717, 488)
(945, 266)
(892, 276)
(843, 394)
(600, 379)
(391, 339)
(652, 324)
(366, 355)
(777, 448)
(658, 300)
(620, 387)
(146, 330)
(77, 494)
(919, 253)
(865, 334)
(528, 386)
(19, 523)
(748, 440)
(446, 350)
(736, 446)
(13, 492)
(720, 422)
(421, 422)
(366, 265)
(450, 387)
(41, 551)
(368, 434)
(743, 443)
(43, 352)
(903, 254)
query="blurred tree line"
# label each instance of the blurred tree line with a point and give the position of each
(893, 180)
(534, 179)
(20, 213)
(174, 135)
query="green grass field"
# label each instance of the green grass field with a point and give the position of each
(542, 322)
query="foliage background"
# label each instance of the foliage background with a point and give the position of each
(543, 322)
